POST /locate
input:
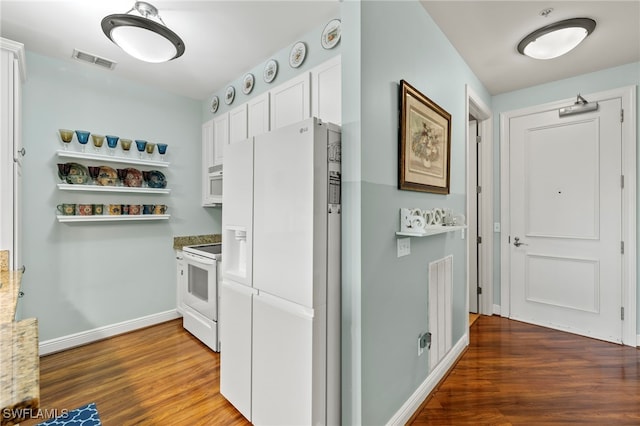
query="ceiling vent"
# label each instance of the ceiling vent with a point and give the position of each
(93, 59)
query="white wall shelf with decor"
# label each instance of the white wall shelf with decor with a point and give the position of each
(111, 218)
(429, 230)
(120, 189)
(112, 158)
(424, 223)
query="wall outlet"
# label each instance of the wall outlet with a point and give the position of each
(424, 342)
(404, 246)
(496, 227)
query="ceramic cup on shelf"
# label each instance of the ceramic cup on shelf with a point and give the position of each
(160, 209)
(114, 209)
(125, 209)
(134, 209)
(98, 209)
(147, 208)
(85, 209)
(66, 209)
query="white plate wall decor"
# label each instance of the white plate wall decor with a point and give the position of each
(229, 94)
(247, 83)
(297, 54)
(270, 71)
(215, 102)
(331, 34)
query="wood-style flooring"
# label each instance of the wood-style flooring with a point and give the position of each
(519, 374)
(511, 374)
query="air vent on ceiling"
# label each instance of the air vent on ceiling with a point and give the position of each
(93, 59)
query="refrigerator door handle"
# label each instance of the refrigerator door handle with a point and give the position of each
(285, 305)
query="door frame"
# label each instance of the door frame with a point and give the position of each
(629, 225)
(482, 113)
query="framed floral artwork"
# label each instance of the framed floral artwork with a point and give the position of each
(424, 151)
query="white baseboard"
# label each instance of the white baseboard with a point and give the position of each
(496, 309)
(412, 404)
(82, 338)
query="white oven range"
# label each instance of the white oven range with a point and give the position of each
(200, 292)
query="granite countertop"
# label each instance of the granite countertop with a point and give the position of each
(19, 361)
(190, 240)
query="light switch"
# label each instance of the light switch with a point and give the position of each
(404, 246)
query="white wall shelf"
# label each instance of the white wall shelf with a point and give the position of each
(111, 218)
(112, 158)
(121, 189)
(431, 230)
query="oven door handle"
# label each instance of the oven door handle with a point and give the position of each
(198, 259)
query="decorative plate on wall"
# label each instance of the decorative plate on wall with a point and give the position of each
(297, 54)
(270, 71)
(331, 34)
(229, 94)
(247, 83)
(215, 102)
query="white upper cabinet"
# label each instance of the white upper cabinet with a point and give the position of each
(238, 124)
(208, 156)
(290, 102)
(220, 137)
(326, 91)
(258, 113)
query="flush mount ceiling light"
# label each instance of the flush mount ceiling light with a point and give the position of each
(556, 39)
(145, 37)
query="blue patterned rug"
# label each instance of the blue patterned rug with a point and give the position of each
(86, 415)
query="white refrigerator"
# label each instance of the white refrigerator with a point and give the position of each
(280, 293)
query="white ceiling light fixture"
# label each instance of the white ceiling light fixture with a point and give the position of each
(145, 37)
(556, 39)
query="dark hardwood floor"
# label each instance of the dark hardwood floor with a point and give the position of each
(519, 374)
(511, 374)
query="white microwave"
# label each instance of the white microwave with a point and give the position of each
(212, 195)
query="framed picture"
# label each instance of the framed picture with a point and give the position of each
(424, 152)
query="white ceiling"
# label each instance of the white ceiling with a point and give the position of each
(487, 33)
(224, 39)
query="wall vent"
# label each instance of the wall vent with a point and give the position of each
(440, 309)
(93, 59)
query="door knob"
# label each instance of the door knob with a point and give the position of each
(517, 243)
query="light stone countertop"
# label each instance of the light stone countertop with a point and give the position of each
(190, 240)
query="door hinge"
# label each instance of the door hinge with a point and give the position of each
(479, 290)
(479, 240)
(478, 189)
(622, 115)
(622, 313)
(622, 181)
(621, 247)
(478, 139)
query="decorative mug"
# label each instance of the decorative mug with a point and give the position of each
(147, 209)
(66, 209)
(85, 209)
(98, 209)
(125, 209)
(134, 208)
(115, 209)
(160, 209)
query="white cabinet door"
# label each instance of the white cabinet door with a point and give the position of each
(289, 363)
(235, 345)
(181, 283)
(220, 137)
(326, 87)
(258, 115)
(238, 124)
(290, 102)
(207, 158)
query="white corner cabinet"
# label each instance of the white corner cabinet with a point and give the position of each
(316, 93)
(99, 159)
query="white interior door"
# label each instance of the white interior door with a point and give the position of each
(473, 220)
(565, 200)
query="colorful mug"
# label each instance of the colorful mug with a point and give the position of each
(85, 209)
(159, 209)
(115, 209)
(134, 208)
(98, 209)
(147, 208)
(66, 209)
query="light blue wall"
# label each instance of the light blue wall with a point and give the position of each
(316, 55)
(83, 276)
(612, 78)
(385, 297)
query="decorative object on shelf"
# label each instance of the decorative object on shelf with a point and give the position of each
(229, 95)
(114, 209)
(132, 177)
(85, 209)
(83, 138)
(150, 148)
(160, 209)
(331, 34)
(424, 143)
(77, 174)
(215, 103)
(112, 142)
(247, 83)
(66, 209)
(270, 71)
(297, 54)
(141, 146)
(66, 136)
(156, 179)
(143, 35)
(162, 150)
(125, 144)
(418, 222)
(63, 171)
(94, 171)
(107, 176)
(97, 142)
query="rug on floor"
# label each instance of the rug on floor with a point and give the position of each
(87, 415)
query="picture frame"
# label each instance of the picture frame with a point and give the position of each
(424, 148)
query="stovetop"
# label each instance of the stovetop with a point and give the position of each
(205, 249)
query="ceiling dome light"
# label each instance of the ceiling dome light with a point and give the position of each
(556, 39)
(142, 37)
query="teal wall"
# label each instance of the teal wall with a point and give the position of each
(84, 276)
(612, 78)
(385, 298)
